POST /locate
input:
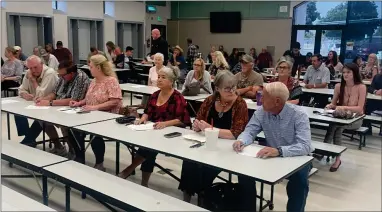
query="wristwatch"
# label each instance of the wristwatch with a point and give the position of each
(280, 151)
(51, 102)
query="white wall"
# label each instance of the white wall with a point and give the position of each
(123, 11)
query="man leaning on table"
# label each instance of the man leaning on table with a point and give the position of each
(317, 75)
(39, 81)
(287, 132)
(72, 86)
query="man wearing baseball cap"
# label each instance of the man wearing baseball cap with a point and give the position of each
(20, 55)
(62, 53)
(248, 81)
(49, 59)
(299, 59)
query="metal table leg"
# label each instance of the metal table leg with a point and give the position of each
(261, 196)
(45, 190)
(117, 158)
(67, 198)
(8, 127)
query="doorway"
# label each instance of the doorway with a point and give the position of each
(162, 29)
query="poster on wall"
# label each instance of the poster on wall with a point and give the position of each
(349, 46)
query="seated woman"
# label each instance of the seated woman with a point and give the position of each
(233, 58)
(199, 74)
(358, 60)
(371, 68)
(218, 63)
(166, 108)
(334, 64)
(284, 69)
(178, 60)
(229, 114)
(103, 94)
(11, 71)
(350, 94)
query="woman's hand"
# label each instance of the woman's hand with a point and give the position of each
(330, 106)
(74, 104)
(89, 108)
(160, 125)
(341, 108)
(203, 125)
(42, 103)
(139, 121)
(195, 125)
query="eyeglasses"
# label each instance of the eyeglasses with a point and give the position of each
(283, 67)
(198, 65)
(229, 89)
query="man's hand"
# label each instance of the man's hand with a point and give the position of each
(27, 96)
(238, 146)
(308, 86)
(267, 152)
(74, 104)
(42, 103)
(379, 92)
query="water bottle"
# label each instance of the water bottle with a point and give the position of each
(259, 95)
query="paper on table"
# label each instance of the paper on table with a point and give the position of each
(138, 86)
(195, 137)
(7, 101)
(142, 127)
(34, 107)
(250, 151)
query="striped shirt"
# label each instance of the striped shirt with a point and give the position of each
(289, 130)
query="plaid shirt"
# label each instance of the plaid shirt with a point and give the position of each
(192, 54)
(174, 108)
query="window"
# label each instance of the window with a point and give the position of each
(55, 5)
(361, 11)
(320, 13)
(108, 8)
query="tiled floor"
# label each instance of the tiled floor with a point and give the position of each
(356, 186)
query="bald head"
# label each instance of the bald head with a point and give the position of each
(155, 33)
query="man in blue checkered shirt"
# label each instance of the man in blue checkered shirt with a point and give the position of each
(192, 53)
(287, 132)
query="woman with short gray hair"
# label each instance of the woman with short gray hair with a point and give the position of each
(228, 113)
(284, 69)
(166, 107)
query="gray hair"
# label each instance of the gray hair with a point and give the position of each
(285, 59)
(172, 73)
(159, 55)
(33, 57)
(224, 78)
(278, 90)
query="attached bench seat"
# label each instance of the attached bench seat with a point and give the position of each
(113, 190)
(362, 132)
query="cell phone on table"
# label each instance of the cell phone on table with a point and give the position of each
(196, 145)
(83, 111)
(173, 135)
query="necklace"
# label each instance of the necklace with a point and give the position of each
(223, 105)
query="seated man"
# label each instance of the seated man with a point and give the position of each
(37, 82)
(372, 104)
(49, 59)
(248, 81)
(287, 132)
(317, 75)
(72, 86)
(95, 51)
(124, 60)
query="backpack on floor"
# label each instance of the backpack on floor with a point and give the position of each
(222, 197)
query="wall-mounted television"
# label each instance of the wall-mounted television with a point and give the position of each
(225, 22)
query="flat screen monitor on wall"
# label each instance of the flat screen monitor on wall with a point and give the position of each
(225, 22)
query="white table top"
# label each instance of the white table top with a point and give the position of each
(269, 170)
(114, 69)
(29, 155)
(14, 201)
(125, 191)
(52, 115)
(330, 92)
(148, 90)
(144, 64)
(366, 82)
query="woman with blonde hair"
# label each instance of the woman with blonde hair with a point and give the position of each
(199, 74)
(103, 94)
(371, 68)
(218, 63)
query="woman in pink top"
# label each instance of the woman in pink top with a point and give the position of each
(350, 94)
(103, 94)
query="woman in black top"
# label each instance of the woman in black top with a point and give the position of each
(233, 58)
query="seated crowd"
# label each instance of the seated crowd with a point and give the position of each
(52, 79)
